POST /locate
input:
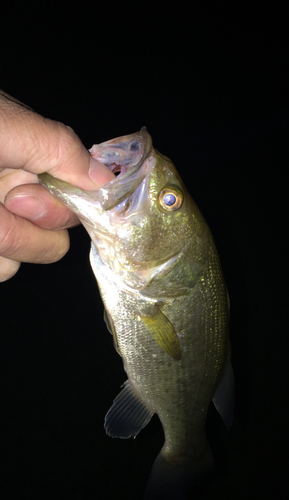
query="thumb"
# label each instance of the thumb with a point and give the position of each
(37, 144)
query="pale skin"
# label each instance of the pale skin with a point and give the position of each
(33, 225)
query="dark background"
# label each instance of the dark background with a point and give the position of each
(211, 85)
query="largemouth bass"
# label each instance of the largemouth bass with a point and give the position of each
(166, 305)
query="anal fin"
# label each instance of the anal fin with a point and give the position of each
(128, 415)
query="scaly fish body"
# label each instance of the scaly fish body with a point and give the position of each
(166, 304)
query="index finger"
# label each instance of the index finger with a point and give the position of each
(37, 144)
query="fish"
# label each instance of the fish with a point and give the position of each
(166, 305)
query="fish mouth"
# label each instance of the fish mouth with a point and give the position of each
(123, 154)
(126, 156)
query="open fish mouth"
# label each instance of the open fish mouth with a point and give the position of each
(123, 154)
(126, 156)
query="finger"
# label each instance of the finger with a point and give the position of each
(21, 240)
(37, 144)
(8, 268)
(10, 178)
(34, 203)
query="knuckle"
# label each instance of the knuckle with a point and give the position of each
(23, 241)
(57, 247)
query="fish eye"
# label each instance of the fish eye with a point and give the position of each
(170, 199)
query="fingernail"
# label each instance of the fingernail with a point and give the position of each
(29, 207)
(99, 173)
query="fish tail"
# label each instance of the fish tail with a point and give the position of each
(178, 480)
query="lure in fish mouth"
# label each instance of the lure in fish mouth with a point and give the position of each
(166, 305)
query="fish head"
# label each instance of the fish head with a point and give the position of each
(143, 221)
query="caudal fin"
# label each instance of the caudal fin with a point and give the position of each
(178, 480)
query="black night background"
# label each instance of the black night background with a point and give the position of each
(211, 85)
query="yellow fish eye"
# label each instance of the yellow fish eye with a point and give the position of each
(170, 199)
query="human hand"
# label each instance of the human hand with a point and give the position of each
(32, 223)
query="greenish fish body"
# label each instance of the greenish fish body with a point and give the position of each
(166, 304)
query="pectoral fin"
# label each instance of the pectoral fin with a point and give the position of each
(163, 332)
